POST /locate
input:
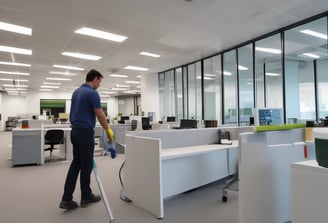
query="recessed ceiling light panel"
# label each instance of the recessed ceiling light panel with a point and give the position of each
(101, 34)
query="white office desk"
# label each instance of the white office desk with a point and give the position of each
(163, 163)
(194, 150)
(28, 145)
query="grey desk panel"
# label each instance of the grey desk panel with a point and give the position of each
(26, 147)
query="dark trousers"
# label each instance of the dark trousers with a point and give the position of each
(83, 148)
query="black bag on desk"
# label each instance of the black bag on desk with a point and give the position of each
(223, 135)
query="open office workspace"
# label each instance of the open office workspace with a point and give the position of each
(197, 95)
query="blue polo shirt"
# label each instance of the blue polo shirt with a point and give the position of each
(84, 100)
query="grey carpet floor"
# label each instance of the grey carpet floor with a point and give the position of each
(31, 194)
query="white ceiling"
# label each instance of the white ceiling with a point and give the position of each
(180, 31)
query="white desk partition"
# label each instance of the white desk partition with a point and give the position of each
(160, 164)
(143, 174)
(264, 186)
(309, 198)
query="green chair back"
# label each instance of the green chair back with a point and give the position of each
(321, 151)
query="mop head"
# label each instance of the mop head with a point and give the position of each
(110, 148)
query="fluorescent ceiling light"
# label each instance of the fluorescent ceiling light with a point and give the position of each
(15, 89)
(139, 76)
(16, 80)
(63, 73)
(109, 92)
(14, 73)
(130, 92)
(149, 54)
(14, 85)
(68, 67)
(58, 79)
(51, 83)
(45, 89)
(227, 73)
(133, 82)
(272, 74)
(241, 67)
(15, 28)
(205, 78)
(118, 75)
(268, 50)
(120, 85)
(118, 89)
(48, 86)
(209, 75)
(101, 34)
(136, 68)
(15, 64)
(312, 55)
(81, 56)
(314, 33)
(15, 50)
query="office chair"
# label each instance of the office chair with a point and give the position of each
(133, 125)
(53, 137)
(321, 152)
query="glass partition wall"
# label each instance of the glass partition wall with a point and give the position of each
(286, 69)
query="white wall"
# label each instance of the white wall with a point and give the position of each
(150, 94)
(12, 106)
(30, 104)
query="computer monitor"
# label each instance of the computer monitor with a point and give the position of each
(269, 116)
(188, 124)
(145, 123)
(123, 119)
(170, 118)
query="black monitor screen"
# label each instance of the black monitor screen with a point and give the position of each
(188, 123)
(145, 122)
(170, 119)
(125, 118)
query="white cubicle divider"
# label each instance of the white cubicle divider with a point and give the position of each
(264, 186)
(309, 199)
(163, 163)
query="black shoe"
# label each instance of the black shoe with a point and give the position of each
(68, 205)
(92, 199)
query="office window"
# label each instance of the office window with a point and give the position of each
(212, 88)
(246, 90)
(230, 87)
(161, 86)
(322, 68)
(305, 53)
(52, 107)
(179, 92)
(167, 93)
(268, 72)
(185, 91)
(194, 91)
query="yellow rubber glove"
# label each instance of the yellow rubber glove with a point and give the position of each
(110, 135)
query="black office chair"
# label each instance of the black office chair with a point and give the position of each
(53, 137)
(133, 125)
